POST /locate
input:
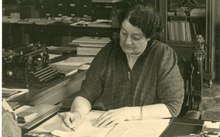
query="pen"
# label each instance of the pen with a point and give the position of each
(62, 118)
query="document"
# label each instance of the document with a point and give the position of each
(139, 128)
(56, 127)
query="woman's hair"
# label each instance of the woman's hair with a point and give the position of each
(142, 15)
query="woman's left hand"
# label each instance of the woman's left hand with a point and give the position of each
(115, 116)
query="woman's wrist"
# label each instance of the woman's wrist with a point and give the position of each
(77, 114)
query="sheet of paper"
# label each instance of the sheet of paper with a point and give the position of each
(86, 129)
(19, 92)
(210, 126)
(141, 128)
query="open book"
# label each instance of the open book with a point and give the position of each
(140, 128)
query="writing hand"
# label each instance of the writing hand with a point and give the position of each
(70, 119)
(113, 117)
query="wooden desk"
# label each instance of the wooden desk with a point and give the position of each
(177, 127)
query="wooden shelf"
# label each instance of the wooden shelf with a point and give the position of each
(208, 23)
(181, 44)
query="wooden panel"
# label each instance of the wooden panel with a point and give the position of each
(59, 92)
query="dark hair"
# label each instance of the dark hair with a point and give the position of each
(142, 15)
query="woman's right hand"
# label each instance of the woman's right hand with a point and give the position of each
(71, 119)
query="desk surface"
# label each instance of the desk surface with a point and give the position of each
(152, 127)
(138, 128)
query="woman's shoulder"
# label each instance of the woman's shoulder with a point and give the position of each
(109, 48)
(161, 48)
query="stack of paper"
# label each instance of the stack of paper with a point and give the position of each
(211, 128)
(56, 127)
(14, 94)
(89, 45)
(140, 128)
(30, 116)
(71, 65)
(101, 23)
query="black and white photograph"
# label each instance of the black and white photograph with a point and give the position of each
(110, 68)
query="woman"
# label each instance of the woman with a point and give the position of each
(134, 78)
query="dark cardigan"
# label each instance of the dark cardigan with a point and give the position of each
(155, 78)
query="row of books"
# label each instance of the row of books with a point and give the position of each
(89, 46)
(184, 31)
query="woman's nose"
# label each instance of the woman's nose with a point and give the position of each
(128, 40)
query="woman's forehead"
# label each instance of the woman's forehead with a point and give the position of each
(127, 26)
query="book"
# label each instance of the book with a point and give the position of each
(71, 65)
(61, 50)
(101, 23)
(91, 40)
(15, 94)
(210, 126)
(176, 30)
(35, 114)
(26, 116)
(9, 92)
(182, 30)
(88, 51)
(188, 32)
(72, 62)
(67, 70)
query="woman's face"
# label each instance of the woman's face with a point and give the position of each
(132, 39)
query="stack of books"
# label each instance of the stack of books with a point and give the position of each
(30, 116)
(72, 64)
(89, 46)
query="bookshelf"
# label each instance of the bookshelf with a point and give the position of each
(182, 21)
